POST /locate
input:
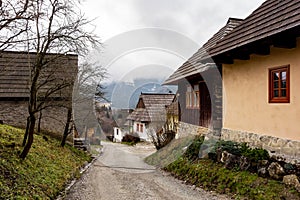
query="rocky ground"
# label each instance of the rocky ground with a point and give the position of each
(120, 173)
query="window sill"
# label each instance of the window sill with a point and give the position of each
(192, 108)
(279, 101)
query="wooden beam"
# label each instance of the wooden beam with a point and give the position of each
(242, 53)
(287, 42)
(224, 59)
(242, 56)
(262, 50)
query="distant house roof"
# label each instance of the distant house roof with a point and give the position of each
(192, 66)
(140, 114)
(151, 107)
(15, 73)
(272, 18)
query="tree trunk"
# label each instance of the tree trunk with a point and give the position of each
(39, 122)
(27, 147)
(66, 131)
(26, 132)
(85, 134)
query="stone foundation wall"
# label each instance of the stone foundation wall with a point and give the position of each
(15, 113)
(289, 149)
(185, 129)
(54, 119)
(274, 145)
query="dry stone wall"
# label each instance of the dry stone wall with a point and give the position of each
(186, 129)
(15, 113)
(287, 148)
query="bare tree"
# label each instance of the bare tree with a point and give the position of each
(13, 22)
(159, 131)
(54, 86)
(86, 89)
(58, 27)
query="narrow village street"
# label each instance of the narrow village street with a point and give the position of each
(120, 173)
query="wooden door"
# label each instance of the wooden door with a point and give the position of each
(205, 106)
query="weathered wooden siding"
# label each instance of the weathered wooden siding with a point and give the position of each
(191, 116)
(210, 112)
(199, 117)
(15, 72)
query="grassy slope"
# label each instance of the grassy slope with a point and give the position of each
(240, 184)
(169, 153)
(45, 171)
(211, 176)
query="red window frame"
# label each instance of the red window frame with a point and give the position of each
(279, 84)
(141, 128)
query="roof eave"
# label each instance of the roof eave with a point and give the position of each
(227, 56)
(171, 82)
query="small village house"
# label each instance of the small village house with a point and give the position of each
(122, 126)
(149, 115)
(258, 60)
(200, 89)
(14, 88)
(118, 134)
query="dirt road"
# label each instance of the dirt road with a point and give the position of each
(120, 173)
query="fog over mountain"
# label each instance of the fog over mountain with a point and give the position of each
(126, 94)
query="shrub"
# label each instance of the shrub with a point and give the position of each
(229, 146)
(192, 152)
(240, 149)
(130, 139)
(255, 154)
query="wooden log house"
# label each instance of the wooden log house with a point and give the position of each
(15, 76)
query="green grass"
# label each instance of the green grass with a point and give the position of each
(45, 171)
(209, 175)
(239, 184)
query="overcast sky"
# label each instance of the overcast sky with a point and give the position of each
(138, 34)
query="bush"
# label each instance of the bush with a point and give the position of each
(192, 152)
(240, 149)
(130, 139)
(229, 146)
(255, 154)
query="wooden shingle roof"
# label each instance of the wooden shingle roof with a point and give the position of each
(173, 109)
(192, 66)
(271, 18)
(140, 115)
(151, 107)
(275, 22)
(15, 73)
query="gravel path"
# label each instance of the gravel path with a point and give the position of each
(120, 173)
